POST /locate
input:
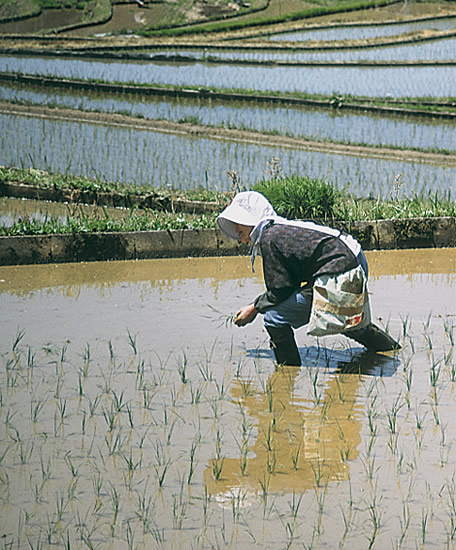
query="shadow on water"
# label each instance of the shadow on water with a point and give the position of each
(343, 361)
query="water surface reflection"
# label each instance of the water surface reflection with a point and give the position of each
(290, 442)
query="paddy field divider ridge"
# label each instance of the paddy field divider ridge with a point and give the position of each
(137, 245)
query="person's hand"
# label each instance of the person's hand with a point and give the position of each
(245, 315)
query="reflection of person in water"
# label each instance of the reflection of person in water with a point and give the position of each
(299, 444)
(296, 255)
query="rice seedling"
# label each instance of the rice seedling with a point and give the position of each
(370, 468)
(169, 429)
(435, 413)
(25, 452)
(179, 509)
(247, 387)
(131, 464)
(93, 404)
(182, 370)
(376, 518)
(46, 467)
(4, 453)
(270, 394)
(448, 326)
(86, 356)
(424, 524)
(218, 460)
(115, 507)
(36, 406)
(17, 340)
(295, 454)
(162, 465)
(264, 485)
(222, 319)
(206, 372)
(115, 442)
(110, 416)
(348, 525)
(372, 415)
(434, 373)
(196, 393)
(192, 456)
(392, 415)
(132, 342)
(320, 494)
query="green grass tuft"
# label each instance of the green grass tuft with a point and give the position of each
(300, 197)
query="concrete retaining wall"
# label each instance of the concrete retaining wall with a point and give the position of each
(85, 247)
(388, 234)
(405, 233)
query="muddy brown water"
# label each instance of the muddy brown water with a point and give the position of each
(47, 20)
(133, 411)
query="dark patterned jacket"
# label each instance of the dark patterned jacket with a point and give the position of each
(296, 255)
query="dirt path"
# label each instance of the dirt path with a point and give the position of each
(241, 136)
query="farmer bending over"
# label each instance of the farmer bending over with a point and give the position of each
(313, 275)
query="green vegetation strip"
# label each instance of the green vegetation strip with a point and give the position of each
(40, 185)
(78, 222)
(297, 197)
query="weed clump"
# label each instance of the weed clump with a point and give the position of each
(300, 197)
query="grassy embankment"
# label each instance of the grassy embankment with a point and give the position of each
(292, 196)
(276, 12)
(17, 9)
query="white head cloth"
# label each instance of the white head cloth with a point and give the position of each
(253, 209)
(247, 208)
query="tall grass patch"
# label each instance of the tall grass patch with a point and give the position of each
(299, 197)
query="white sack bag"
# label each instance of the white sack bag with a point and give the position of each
(340, 303)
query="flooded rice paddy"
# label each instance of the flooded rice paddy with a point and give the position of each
(337, 125)
(47, 20)
(136, 416)
(363, 32)
(437, 81)
(435, 50)
(12, 210)
(138, 156)
(135, 155)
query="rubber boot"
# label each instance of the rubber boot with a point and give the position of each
(374, 339)
(283, 344)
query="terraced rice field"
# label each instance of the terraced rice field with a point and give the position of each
(136, 416)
